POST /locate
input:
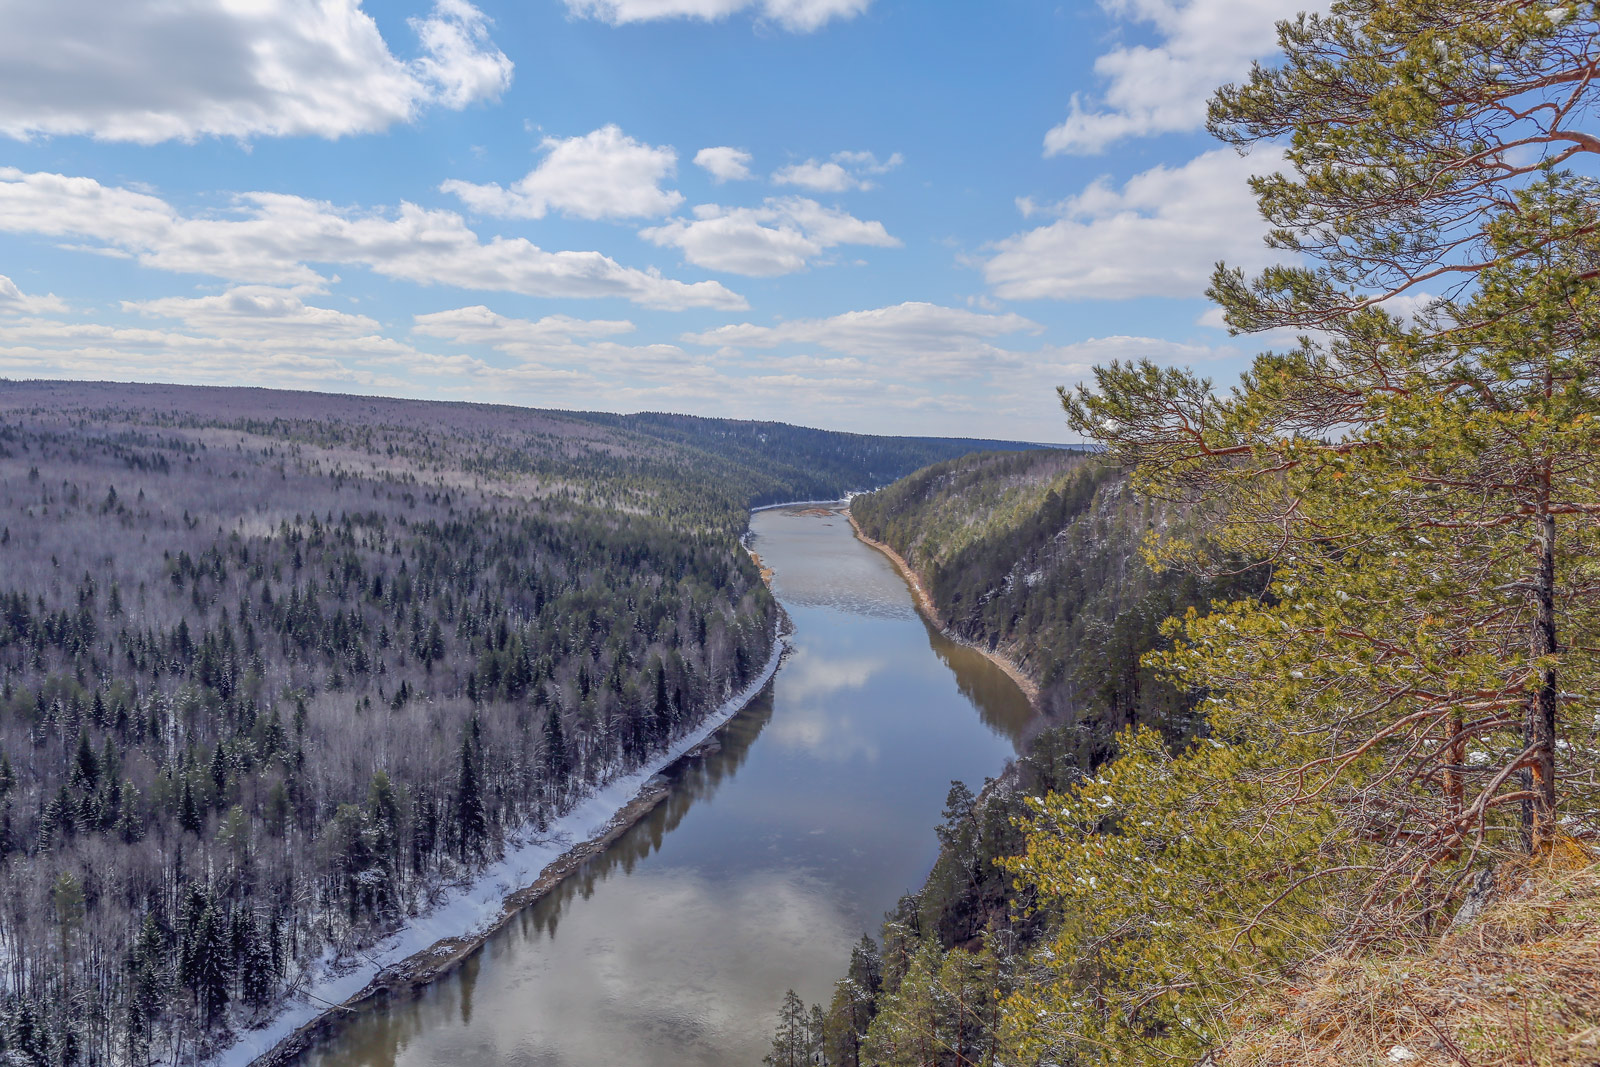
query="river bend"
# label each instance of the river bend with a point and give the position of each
(769, 859)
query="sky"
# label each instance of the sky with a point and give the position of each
(884, 216)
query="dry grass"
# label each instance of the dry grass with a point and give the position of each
(1520, 986)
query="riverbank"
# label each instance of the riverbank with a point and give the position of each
(438, 942)
(926, 608)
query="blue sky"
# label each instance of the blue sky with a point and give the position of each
(900, 216)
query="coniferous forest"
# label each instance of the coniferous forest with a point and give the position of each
(276, 667)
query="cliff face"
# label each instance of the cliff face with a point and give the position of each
(1037, 555)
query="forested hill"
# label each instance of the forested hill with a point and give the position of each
(817, 464)
(1037, 554)
(276, 666)
(680, 467)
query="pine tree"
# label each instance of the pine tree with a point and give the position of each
(791, 1042)
(1394, 473)
(1423, 489)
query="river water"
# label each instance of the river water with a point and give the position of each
(767, 862)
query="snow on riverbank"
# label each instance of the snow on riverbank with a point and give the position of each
(464, 911)
(818, 503)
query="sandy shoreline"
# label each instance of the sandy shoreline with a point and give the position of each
(416, 955)
(925, 606)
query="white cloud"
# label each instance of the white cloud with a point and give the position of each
(845, 171)
(801, 16)
(479, 325)
(601, 175)
(253, 334)
(1158, 235)
(458, 61)
(273, 238)
(258, 313)
(157, 70)
(925, 336)
(13, 301)
(1164, 88)
(558, 352)
(780, 237)
(724, 164)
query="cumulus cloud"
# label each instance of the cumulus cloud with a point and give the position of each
(258, 313)
(562, 353)
(250, 334)
(780, 237)
(1164, 88)
(478, 325)
(155, 70)
(724, 164)
(800, 16)
(913, 334)
(843, 172)
(1159, 234)
(13, 301)
(601, 175)
(274, 238)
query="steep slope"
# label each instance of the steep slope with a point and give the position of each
(1036, 555)
(796, 460)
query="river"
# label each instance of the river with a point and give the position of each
(767, 862)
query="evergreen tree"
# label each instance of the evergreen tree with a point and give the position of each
(258, 974)
(1423, 489)
(212, 964)
(471, 824)
(791, 1042)
(557, 762)
(190, 816)
(148, 971)
(661, 710)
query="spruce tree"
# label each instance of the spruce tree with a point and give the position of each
(471, 824)
(212, 965)
(557, 762)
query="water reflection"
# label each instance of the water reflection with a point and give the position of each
(990, 690)
(768, 859)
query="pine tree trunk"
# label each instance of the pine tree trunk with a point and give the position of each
(1454, 784)
(1539, 728)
